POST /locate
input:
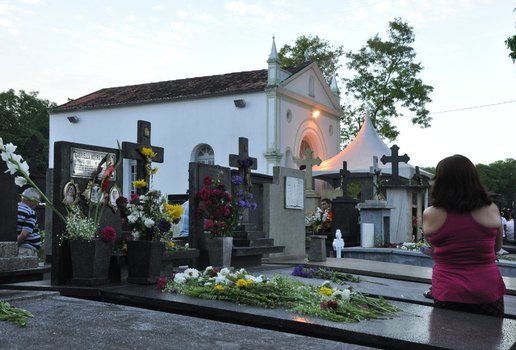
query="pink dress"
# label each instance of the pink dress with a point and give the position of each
(465, 269)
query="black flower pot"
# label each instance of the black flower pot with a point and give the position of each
(144, 261)
(90, 262)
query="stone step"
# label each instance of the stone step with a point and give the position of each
(245, 251)
(249, 234)
(18, 263)
(8, 249)
(260, 242)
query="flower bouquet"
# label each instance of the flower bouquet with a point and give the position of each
(320, 220)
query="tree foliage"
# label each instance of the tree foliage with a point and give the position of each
(317, 50)
(23, 116)
(498, 177)
(511, 45)
(386, 84)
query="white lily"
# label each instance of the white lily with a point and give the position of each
(20, 181)
(1, 145)
(9, 148)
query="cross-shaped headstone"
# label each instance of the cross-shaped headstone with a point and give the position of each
(376, 171)
(243, 162)
(344, 174)
(395, 159)
(134, 150)
(307, 164)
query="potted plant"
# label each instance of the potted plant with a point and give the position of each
(149, 217)
(220, 212)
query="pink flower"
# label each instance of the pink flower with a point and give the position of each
(208, 224)
(108, 234)
(162, 283)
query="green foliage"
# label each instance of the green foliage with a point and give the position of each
(511, 45)
(12, 314)
(318, 50)
(498, 177)
(386, 84)
(23, 116)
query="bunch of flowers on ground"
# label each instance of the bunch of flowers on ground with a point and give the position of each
(411, 246)
(148, 216)
(325, 301)
(320, 220)
(325, 274)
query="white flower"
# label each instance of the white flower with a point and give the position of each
(20, 181)
(179, 278)
(24, 167)
(221, 279)
(341, 294)
(136, 234)
(191, 273)
(148, 222)
(225, 271)
(326, 284)
(9, 148)
(1, 144)
(132, 218)
(11, 167)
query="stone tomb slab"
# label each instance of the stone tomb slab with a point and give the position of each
(414, 327)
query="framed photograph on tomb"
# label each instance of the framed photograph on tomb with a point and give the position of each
(114, 194)
(93, 194)
(71, 194)
(294, 193)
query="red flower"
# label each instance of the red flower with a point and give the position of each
(108, 234)
(162, 283)
(207, 180)
(208, 224)
(134, 198)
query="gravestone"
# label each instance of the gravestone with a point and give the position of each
(395, 159)
(245, 164)
(8, 203)
(196, 236)
(311, 197)
(376, 211)
(284, 213)
(134, 151)
(345, 214)
(74, 165)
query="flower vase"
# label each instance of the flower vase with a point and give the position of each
(144, 259)
(219, 251)
(90, 262)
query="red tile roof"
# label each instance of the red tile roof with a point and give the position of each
(172, 90)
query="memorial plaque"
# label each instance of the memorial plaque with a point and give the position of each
(294, 193)
(84, 162)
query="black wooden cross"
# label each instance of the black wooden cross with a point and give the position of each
(418, 178)
(395, 159)
(243, 162)
(134, 150)
(344, 174)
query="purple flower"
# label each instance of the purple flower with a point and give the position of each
(164, 226)
(237, 180)
(253, 206)
(301, 272)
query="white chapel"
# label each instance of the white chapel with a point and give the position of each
(281, 112)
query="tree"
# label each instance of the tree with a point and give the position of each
(317, 50)
(22, 116)
(498, 177)
(386, 84)
(511, 45)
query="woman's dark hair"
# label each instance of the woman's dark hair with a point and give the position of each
(326, 200)
(456, 186)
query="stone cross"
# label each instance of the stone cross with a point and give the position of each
(133, 150)
(344, 174)
(307, 164)
(243, 162)
(376, 171)
(395, 159)
(417, 177)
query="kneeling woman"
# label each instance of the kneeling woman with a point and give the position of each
(464, 227)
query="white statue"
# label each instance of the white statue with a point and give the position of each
(338, 243)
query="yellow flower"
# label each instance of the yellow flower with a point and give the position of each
(325, 291)
(140, 183)
(219, 287)
(148, 152)
(124, 247)
(241, 283)
(174, 211)
(171, 245)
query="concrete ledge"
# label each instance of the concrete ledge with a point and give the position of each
(8, 249)
(18, 263)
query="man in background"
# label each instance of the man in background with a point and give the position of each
(28, 237)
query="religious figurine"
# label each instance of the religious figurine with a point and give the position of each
(338, 243)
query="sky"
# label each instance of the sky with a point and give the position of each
(67, 49)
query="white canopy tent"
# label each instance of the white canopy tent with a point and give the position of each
(359, 156)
